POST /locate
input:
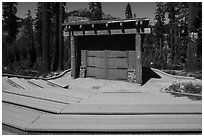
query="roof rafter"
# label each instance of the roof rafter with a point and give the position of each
(106, 27)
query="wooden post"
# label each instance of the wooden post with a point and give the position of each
(138, 66)
(85, 63)
(127, 57)
(106, 64)
(73, 57)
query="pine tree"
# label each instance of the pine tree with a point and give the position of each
(10, 20)
(61, 38)
(45, 39)
(38, 28)
(160, 19)
(10, 24)
(95, 9)
(56, 60)
(173, 9)
(194, 24)
(195, 16)
(52, 31)
(160, 29)
(28, 36)
(128, 12)
(91, 6)
(50, 11)
(98, 11)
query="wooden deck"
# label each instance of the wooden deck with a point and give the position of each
(19, 117)
(132, 109)
(44, 95)
(41, 83)
(118, 123)
(22, 83)
(32, 120)
(43, 109)
(44, 105)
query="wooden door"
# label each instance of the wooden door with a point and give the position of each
(107, 64)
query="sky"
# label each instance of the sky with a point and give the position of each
(115, 9)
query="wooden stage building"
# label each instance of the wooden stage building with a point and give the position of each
(107, 49)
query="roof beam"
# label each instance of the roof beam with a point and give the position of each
(122, 28)
(82, 28)
(101, 32)
(107, 28)
(94, 28)
(105, 32)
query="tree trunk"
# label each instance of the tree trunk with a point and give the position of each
(175, 49)
(56, 35)
(191, 48)
(45, 40)
(61, 38)
(172, 46)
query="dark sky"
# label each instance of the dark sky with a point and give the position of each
(116, 9)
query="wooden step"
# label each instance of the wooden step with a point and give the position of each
(22, 83)
(142, 100)
(6, 84)
(58, 83)
(41, 83)
(133, 109)
(62, 92)
(44, 105)
(18, 117)
(117, 123)
(44, 94)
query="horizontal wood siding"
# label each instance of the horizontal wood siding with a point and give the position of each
(96, 58)
(83, 57)
(96, 72)
(108, 64)
(131, 60)
(119, 74)
(122, 74)
(117, 63)
(116, 54)
(100, 73)
(96, 61)
(90, 71)
(95, 53)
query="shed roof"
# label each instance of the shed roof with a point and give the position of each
(121, 26)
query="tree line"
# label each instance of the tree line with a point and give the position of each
(34, 43)
(170, 44)
(38, 43)
(172, 39)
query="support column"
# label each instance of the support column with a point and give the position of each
(74, 63)
(138, 59)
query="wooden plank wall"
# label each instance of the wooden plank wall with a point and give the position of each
(130, 57)
(83, 57)
(105, 64)
(96, 58)
(117, 65)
